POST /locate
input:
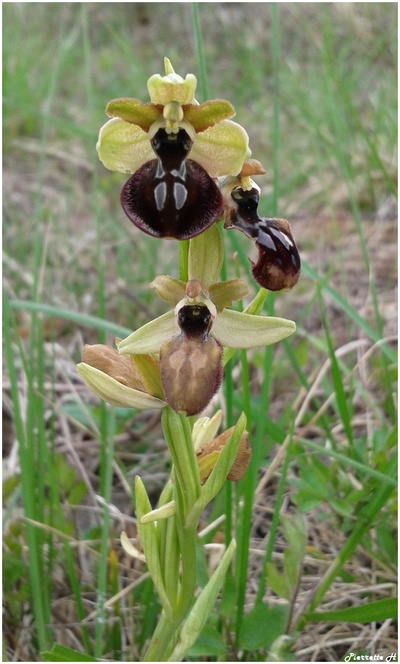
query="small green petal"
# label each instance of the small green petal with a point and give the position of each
(222, 149)
(169, 289)
(224, 293)
(115, 393)
(172, 87)
(123, 147)
(164, 512)
(134, 112)
(205, 429)
(206, 255)
(203, 116)
(235, 329)
(150, 337)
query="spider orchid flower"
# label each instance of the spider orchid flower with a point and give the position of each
(174, 147)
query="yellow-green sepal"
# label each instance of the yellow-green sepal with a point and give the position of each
(150, 337)
(235, 329)
(123, 147)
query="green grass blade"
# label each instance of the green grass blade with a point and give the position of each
(85, 320)
(203, 83)
(382, 609)
(341, 398)
(60, 653)
(351, 313)
(351, 463)
(29, 484)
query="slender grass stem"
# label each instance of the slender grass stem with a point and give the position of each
(107, 445)
(183, 259)
(275, 52)
(203, 83)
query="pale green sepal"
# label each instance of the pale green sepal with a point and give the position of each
(123, 147)
(134, 111)
(150, 337)
(253, 308)
(221, 469)
(236, 329)
(224, 293)
(221, 149)
(203, 116)
(163, 512)
(169, 289)
(202, 608)
(116, 393)
(205, 429)
(130, 549)
(206, 255)
(172, 87)
(148, 538)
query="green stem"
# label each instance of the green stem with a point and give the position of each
(186, 490)
(162, 641)
(183, 259)
(188, 582)
(178, 436)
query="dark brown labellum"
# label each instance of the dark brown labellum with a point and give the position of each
(190, 363)
(171, 196)
(278, 265)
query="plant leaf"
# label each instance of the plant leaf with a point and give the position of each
(202, 608)
(382, 609)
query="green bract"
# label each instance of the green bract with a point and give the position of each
(220, 146)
